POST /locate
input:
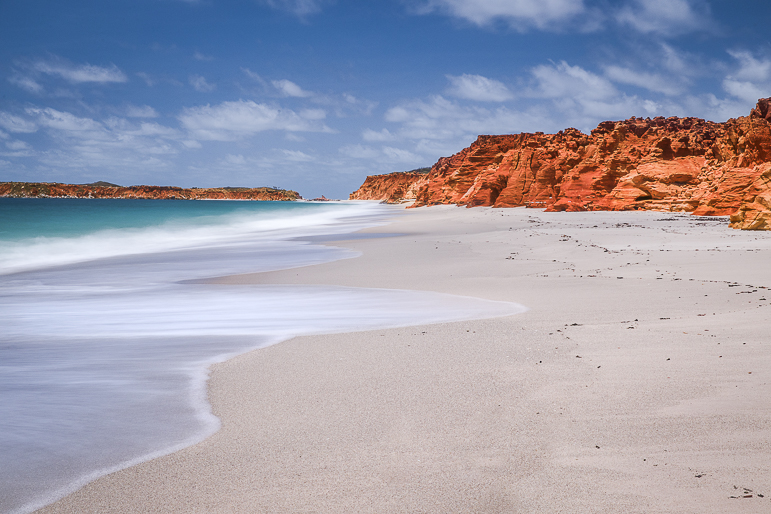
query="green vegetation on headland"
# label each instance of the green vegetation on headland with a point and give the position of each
(108, 190)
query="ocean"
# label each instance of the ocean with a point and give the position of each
(108, 327)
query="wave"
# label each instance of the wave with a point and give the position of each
(271, 222)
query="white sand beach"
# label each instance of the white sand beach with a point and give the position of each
(638, 381)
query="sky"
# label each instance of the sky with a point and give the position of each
(314, 95)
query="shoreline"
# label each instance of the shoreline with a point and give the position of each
(604, 395)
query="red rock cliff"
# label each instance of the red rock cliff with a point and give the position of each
(666, 164)
(391, 188)
(55, 190)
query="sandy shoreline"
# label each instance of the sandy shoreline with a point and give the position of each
(639, 380)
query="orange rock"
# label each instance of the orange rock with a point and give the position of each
(665, 164)
(391, 188)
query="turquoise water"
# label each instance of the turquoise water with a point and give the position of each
(108, 331)
(24, 218)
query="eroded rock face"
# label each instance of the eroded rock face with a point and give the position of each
(665, 164)
(55, 190)
(391, 188)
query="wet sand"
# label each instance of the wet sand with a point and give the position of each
(638, 381)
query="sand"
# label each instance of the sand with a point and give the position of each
(638, 381)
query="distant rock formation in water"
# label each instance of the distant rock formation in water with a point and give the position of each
(107, 190)
(663, 164)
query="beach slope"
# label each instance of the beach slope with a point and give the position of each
(638, 381)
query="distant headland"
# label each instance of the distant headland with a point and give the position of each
(108, 190)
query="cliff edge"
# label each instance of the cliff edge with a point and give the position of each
(664, 164)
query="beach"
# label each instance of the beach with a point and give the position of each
(639, 380)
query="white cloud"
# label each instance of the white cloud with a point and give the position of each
(650, 81)
(751, 80)
(252, 75)
(147, 78)
(143, 111)
(676, 61)
(750, 68)
(383, 154)
(352, 103)
(26, 83)
(82, 73)
(665, 17)
(64, 121)
(442, 119)
(565, 81)
(199, 84)
(479, 88)
(745, 90)
(297, 7)
(17, 145)
(539, 13)
(13, 123)
(198, 56)
(399, 154)
(360, 152)
(297, 156)
(114, 143)
(289, 88)
(229, 121)
(238, 160)
(383, 135)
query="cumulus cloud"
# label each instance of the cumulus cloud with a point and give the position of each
(17, 145)
(360, 151)
(200, 84)
(479, 88)
(289, 88)
(383, 135)
(26, 83)
(542, 14)
(82, 142)
(82, 73)
(650, 81)
(386, 153)
(297, 7)
(150, 81)
(143, 111)
(751, 79)
(64, 121)
(13, 123)
(564, 81)
(441, 119)
(230, 121)
(297, 156)
(198, 56)
(665, 17)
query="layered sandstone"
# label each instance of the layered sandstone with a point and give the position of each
(98, 190)
(391, 188)
(665, 164)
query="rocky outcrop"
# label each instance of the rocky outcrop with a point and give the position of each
(105, 190)
(664, 164)
(391, 188)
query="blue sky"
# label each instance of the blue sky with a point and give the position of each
(313, 95)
